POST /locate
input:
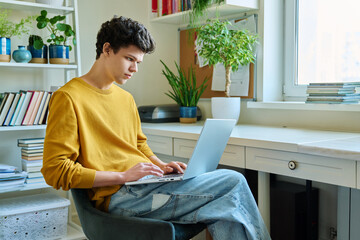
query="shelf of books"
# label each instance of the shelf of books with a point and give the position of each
(177, 11)
(31, 6)
(38, 65)
(24, 110)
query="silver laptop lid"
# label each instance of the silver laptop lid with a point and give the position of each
(209, 147)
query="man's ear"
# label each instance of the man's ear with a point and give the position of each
(106, 49)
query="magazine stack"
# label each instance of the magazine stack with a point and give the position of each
(10, 178)
(32, 158)
(337, 93)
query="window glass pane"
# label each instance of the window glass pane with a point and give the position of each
(328, 41)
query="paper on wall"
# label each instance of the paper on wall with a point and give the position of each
(239, 80)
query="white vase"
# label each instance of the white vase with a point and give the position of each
(225, 107)
(55, 3)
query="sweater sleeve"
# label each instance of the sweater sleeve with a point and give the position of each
(61, 148)
(141, 138)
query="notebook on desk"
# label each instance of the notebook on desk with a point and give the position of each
(206, 155)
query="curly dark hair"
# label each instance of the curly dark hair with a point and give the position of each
(123, 32)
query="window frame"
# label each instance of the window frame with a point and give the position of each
(290, 90)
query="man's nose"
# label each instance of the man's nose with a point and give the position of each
(133, 67)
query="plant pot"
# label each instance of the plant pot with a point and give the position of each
(55, 3)
(5, 49)
(22, 55)
(188, 114)
(225, 107)
(59, 54)
(38, 55)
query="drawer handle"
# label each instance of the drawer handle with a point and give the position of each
(292, 165)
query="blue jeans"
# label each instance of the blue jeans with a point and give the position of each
(220, 199)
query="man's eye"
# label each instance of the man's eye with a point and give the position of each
(130, 59)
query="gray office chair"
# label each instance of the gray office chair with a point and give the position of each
(98, 225)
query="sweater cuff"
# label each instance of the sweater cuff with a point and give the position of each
(87, 178)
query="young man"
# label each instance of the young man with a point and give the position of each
(94, 141)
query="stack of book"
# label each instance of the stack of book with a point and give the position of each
(24, 108)
(333, 93)
(10, 178)
(32, 158)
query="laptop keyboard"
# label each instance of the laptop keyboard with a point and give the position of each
(163, 177)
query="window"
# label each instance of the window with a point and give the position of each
(322, 43)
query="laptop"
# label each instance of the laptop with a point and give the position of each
(206, 155)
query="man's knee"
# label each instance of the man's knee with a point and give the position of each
(232, 176)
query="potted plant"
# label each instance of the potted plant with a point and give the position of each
(184, 92)
(38, 52)
(60, 33)
(232, 48)
(10, 29)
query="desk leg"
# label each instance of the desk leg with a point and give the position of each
(264, 197)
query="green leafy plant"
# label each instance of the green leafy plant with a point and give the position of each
(185, 92)
(10, 29)
(34, 40)
(60, 32)
(199, 8)
(232, 48)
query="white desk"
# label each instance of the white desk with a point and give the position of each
(323, 156)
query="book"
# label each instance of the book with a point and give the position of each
(41, 106)
(30, 158)
(30, 108)
(17, 109)
(30, 140)
(31, 145)
(34, 174)
(39, 150)
(45, 109)
(24, 106)
(36, 108)
(338, 84)
(36, 148)
(35, 180)
(13, 175)
(330, 90)
(4, 168)
(23, 154)
(4, 97)
(29, 167)
(6, 107)
(333, 98)
(11, 110)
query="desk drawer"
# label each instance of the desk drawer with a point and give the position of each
(232, 156)
(323, 169)
(160, 144)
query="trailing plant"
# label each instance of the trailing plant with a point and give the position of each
(10, 29)
(60, 32)
(232, 48)
(184, 90)
(199, 7)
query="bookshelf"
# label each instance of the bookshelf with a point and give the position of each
(228, 9)
(29, 76)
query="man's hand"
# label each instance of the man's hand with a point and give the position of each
(105, 178)
(141, 170)
(174, 167)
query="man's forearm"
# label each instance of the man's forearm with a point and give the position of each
(103, 178)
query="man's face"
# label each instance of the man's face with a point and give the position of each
(124, 63)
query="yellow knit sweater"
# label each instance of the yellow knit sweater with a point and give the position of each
(91, 130)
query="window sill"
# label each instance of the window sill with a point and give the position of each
(304, 106)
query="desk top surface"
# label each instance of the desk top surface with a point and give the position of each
(324, 143)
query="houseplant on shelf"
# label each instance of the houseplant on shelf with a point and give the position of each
(184, 92)
(38, 52)
(10, 29)
(199, 8)
(232, 48)
(60, 34)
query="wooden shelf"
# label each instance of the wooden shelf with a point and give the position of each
(38, 65)
(227, 9)
(35, 7)
(22, 128)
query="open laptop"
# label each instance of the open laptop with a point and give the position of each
(206, 155)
